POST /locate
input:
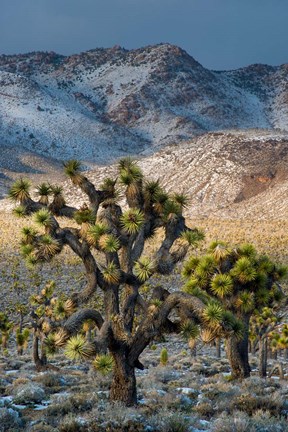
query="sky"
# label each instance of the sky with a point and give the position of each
(220, 34)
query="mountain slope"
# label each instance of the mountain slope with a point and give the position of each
(106, 103)
(233, 175)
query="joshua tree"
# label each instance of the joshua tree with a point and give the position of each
(22, 340)
(111, 242)
(47, 314)
(240, 281)
(262, 324)
(5, 329)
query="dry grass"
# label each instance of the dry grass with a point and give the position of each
(269, 237)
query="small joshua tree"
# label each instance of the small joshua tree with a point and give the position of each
(22, 340)
(117, 237)
(234, 281)
(5, 329)
(261, 325)
(47, 315)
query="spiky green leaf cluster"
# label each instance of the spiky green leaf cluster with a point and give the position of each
(20, 211)
(51, 347)
(95, 232)
(189, 330)
(151, 190)
(44, 189)
(77, 348)
(219, 250)
(20, 190)
(189, 266)
(144, 268)
(29, 235)
(111, 273)
(109, 243)
(56, 190)
(84, 216)
(44, 218)
(213, 314)
(245, 301)
(132, 220)
(232, 325)
(103, 363)
(244, 270)
(72, 167)
(193, 237)
(171, 209)
(222, 285)
(47, 247)
(130, 172)
(181, 199)
(26, 249)
(206, 266)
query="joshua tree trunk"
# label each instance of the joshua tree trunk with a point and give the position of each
(218, 347)
(39, 360)
(237, 353)
(5, 338)
(263, 356)
(253, 347)
(123, 387)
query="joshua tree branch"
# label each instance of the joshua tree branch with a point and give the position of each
(155, 321)
(75, 321)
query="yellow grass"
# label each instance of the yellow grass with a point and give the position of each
(269, 237)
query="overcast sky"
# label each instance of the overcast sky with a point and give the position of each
(220, 34)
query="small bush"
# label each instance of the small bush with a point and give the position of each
(164, 357)
(251, 403)
(165, 421)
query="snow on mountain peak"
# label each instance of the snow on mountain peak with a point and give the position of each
(104, 103)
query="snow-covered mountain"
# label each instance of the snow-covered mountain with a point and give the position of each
(105, 103)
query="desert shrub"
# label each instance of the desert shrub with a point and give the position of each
(41, 426)
(164, 357)
(165, 421)
(163, 376)
(115, 417)
(20, 381)
(29, 393)
(250, 403)
(76, 403)
(264, 422)
(258, 386)
(9, 420)
(49, 379)
(204, 409)
(70, 423)
(238, 422)
(261, 421)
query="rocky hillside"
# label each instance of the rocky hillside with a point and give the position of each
(105, 103)
(232, 175)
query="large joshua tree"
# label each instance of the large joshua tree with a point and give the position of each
(111, 243)
(238, 281)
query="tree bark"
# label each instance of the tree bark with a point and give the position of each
(237, 351)
(123, 388)
(218, 347)
(238, 357)
(263, 357)
(40, 361)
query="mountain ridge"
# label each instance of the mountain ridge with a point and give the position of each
(106, 103)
